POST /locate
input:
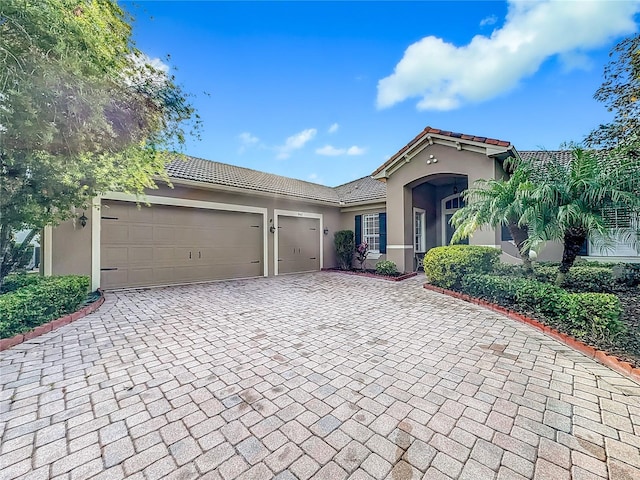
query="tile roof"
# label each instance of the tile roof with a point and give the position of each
(445, 133)
(216, 173)
(362, 190)
(564, 156)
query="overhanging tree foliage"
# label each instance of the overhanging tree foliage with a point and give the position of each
(620, 92)
(82, 111)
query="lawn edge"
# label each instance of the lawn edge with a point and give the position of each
(611, 361)
(399, 278)
(7, 343)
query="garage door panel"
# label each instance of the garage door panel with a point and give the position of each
(298, 244)
(168, 245)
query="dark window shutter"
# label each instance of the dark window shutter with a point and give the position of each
(382, 223)
(584, 249)
(506, 234)
(358, 229)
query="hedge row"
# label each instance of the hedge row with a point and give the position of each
(446, 266)
(13, 282)
(583, 315)
(40, 302)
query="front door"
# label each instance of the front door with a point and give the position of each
(450, 205)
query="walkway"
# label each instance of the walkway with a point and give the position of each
(324, 376)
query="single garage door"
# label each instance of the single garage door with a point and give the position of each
(163, 245)
(298, 244)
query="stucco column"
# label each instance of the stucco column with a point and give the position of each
(399, 226)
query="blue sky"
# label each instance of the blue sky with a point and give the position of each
(327, 91)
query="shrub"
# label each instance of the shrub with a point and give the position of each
(386, 267)
(594, 315)
(581, 278)
(627, 274)
(18, 280)
(345, 244)
(493, 288)
(446, 266)
(41, 302)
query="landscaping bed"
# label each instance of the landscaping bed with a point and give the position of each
(598, 305)
(29, 301)
(394, 277)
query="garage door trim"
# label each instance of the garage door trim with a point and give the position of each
(290, 213)
(170, 201)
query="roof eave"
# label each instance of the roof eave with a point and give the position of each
(428, 139)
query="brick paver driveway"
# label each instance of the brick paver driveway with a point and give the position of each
(310, 376)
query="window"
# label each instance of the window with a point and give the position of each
(419, 230)
(371, 231)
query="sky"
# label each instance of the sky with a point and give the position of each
(327, 91)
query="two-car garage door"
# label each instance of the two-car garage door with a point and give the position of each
(161, 245)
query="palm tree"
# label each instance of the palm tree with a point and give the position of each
(496, 203)
(569, 201)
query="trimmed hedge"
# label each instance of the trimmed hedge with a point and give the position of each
(583, 315)
(18, 280)
(580, 278)
(41, 302)
(446, 266)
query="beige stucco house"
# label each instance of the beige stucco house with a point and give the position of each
(221, 221)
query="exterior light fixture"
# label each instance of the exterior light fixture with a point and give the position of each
(455, 186)
(272, 229)
(326, 231)
(83, 220)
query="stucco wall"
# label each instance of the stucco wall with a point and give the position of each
(71, 246)
(400, 197)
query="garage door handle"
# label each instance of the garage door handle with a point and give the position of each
(312, 258)
(256, 261)
(199, 254)
(109, 218)
(108, 269)
(189, 254)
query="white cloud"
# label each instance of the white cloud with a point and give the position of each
(355, 150)
(331, 151)
(334, 128)
(490, 20)
(247, 140)
(295, 142)
(446, 76)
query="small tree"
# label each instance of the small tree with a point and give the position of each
(82, 112)
(495, 203)
(344, 242)
(571, 201)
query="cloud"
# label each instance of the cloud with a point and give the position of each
(446, 77)
(490, 20)
(334, 128)
(355, 150)
(331, 151)
(295, 142)
(247, 140)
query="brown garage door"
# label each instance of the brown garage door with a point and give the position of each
(162, 245)
(298, 244)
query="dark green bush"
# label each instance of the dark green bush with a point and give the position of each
(18, 280)
(41, 302)
(446, 266)
(593, 315)
(581, 277)
(386, 267)
(541, 298)
(345, 244)
(496, 289)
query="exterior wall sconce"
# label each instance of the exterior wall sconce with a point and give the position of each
(83, 220)
(326, 231)
(272, 229)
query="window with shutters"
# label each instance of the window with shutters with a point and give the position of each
(371, 231)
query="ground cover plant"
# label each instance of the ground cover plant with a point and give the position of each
(27, 301)
(598, 303)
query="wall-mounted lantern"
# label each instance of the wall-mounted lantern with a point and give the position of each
(326, 231)
(83, 220)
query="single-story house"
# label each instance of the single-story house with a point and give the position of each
(221, 221)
